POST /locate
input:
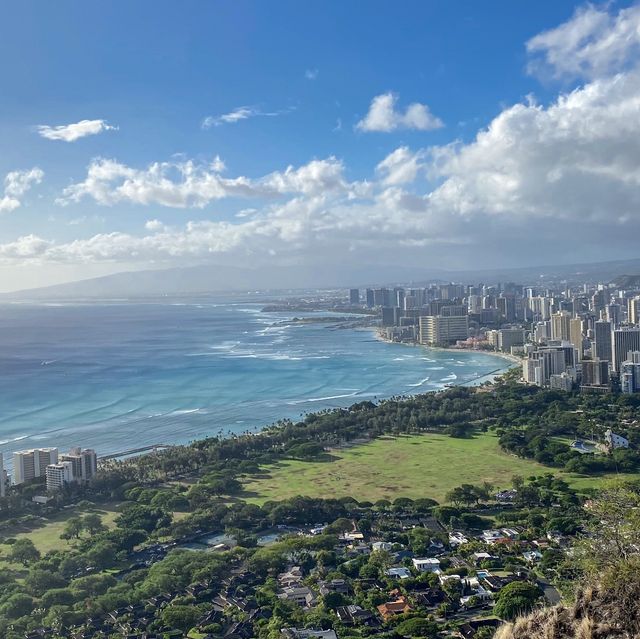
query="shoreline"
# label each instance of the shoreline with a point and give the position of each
(514, 359)
(147, 419)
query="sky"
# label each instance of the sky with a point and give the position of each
(423, 134)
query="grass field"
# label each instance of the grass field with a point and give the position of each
(46, 536)
(390, 467)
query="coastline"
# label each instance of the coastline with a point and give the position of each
(233, 370)
(514, 359)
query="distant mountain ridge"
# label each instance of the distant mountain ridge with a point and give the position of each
(208, 279)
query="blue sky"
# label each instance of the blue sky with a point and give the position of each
(147, 75)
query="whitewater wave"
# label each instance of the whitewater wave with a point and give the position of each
(19, 438)
(295, 402)
(421, 382)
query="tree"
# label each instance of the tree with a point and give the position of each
(139, 517)
(93, 524)
(24, 552)
(515, 599)
(16, 606)
(73, 528)
(614, 528)
(418, 628)
(180, 617)
(333, 600)
(102, 555)
(57, 596)
(126, 539)
(40, 581)
(419, 540)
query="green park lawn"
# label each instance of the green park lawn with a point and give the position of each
(406, 466)
(45, 533)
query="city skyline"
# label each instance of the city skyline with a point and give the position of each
(289, 137)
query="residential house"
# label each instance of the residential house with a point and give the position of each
(532, 556)
(291, 577)
(398, 572)
(335, 585)
(396, 607)
(457, 539)
(427, 564)
(429, 598)
(355, 615)
(301, 595)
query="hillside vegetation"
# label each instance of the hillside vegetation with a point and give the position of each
(608, 610)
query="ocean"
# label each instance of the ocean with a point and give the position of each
(120, 375)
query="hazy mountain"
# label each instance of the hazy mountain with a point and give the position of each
(210, 279)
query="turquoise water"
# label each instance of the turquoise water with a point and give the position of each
(122, 375)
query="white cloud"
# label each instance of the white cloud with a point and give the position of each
(239, 114)
(400, 167)
(311, 74)
(16, 184)
(75, 131)
(593, 43)
(577, 159)
(541, 183)
(154, 225)
(383, 116)
(534, 177)
(182, 184)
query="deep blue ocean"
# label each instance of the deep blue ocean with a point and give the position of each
(114, 376)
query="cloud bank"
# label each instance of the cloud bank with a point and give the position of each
(540, 183)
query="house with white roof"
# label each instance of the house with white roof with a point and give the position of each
(427, 564)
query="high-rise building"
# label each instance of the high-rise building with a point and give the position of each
(29, 464)
(410, 302)
(381, 297)
(84, 462)
(612, 312)
(602, 333)
(624, 341)
(542, 332)
(595, 372)
(451, 291)
(507, 306)
(58, 475)
(538, 308)
(388, 316)
(436, 329)
(598, 300)
(542, 364)
(508, 337)
(561, 326)
(474, 303)
(633, 306)
(575, 335)
(453, 310)
(563, 382)
(630, 373)
(354, 296)
(370, 298)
